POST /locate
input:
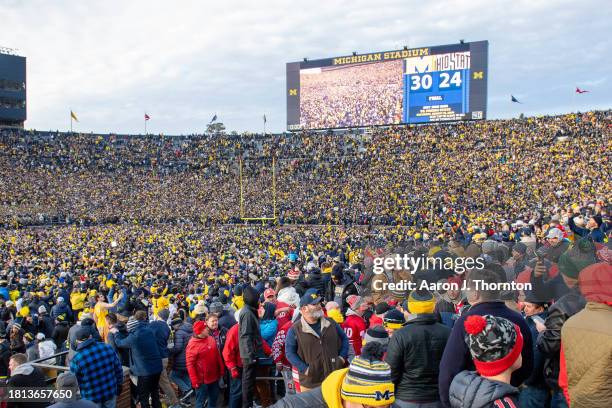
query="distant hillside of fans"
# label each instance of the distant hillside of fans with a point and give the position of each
(475, 172)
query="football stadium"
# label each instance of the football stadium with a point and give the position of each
(421, 227)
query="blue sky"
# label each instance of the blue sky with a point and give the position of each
(184, 61)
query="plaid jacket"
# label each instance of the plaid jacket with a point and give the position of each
(98, 370)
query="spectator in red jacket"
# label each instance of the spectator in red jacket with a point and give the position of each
(354, 326)
(233, 362)
(204, 365)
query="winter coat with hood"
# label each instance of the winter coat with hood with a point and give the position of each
(145, 357)
(26, 376)
(468, 389)
(178, 350)
(161, 330)
(249, 332)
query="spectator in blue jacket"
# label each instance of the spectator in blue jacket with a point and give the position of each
(182, 333)
(4, 292)
(61, 308)
(456, 357)
(592, 230)
(98, 370)
(162, 333)
(145, 359)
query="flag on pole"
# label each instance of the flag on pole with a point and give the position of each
(213, 118)
(265, 120)
(147, 117)
(513, 99)
(581, 91)
(73, 116)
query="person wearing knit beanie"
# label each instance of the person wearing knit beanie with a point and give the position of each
(377, 334)
(393, 320)
(365, 383)
(368, 379)
(495, 344)
(421, 302)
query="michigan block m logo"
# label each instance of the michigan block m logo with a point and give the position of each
(383, 395)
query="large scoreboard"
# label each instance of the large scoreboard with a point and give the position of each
(416, 85)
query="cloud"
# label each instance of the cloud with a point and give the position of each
(183, 61)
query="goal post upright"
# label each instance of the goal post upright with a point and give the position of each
(241, 192)
(273, 187)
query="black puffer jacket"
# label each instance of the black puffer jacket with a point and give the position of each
(549, 341)
(468, 389)
(181, 338)
(315, 281)
(414, 355)
(60, 335)
(249, 335)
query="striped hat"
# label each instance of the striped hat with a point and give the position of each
(394, 319)
(421, 302)
(368, 379)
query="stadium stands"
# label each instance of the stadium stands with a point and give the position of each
(479, 172)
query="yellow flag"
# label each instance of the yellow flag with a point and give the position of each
(73, 116)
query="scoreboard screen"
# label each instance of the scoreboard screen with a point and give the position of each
(420, 85)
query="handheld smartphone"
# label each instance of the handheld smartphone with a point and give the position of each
(537, 319)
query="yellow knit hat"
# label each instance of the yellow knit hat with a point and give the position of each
(368, 382)
(421, 302)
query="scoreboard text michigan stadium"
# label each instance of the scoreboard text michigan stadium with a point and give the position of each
(418, 85)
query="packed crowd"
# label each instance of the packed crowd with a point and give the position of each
(210, 314)
(421, 177)
(151, 275)
(351, 96)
